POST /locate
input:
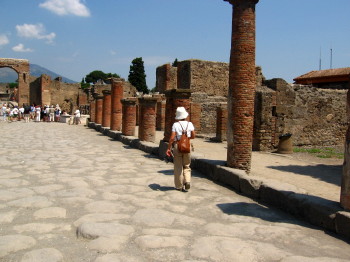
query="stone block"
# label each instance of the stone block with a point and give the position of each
(230, 176)
(276, 194)
(250, 186)
(321, 212)
(342, 223)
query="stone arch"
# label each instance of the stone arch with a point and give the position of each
(21, 66)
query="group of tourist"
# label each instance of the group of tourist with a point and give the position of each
(28, 113)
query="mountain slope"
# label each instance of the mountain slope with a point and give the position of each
(8, 75)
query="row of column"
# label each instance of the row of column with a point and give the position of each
(113, 111)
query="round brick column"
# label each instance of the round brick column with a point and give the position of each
(174, 99)
(242, 82)
(98, 110)
(92, 110)
(117, 93)
(129, 116)
(345, 181)
(106, 108)
(147, 121)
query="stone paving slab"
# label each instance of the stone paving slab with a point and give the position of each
(307, 196)
(69, 193)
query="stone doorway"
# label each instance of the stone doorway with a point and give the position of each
(21, 66)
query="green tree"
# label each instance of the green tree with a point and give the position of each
(13, 85)
(175, 63)
(97, 75)
(137, 76)
(84, 85)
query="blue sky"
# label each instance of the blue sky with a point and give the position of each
(75, 37)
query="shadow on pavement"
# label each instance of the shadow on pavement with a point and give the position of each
(158, 187)
(328, 173)
(252, 210)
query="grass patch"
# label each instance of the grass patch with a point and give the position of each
(326, 152)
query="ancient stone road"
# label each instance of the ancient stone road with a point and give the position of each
(67, 193)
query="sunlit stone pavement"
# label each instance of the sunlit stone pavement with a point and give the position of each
(68, 193)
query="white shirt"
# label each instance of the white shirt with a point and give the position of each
(15, 111)
(77, 113)
(178, 130)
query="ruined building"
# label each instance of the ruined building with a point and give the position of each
(314, 116)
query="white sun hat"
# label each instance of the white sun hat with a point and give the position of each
(181, 113)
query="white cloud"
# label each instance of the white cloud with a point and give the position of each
(4, 40)
(21, 48)
(34, 31)
(66, 7)
(112, 52)
(157, 60)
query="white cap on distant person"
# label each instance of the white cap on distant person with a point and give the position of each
(181, 113)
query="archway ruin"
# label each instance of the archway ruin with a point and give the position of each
(21, 66)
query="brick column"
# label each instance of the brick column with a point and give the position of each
(160, 115)
(98, 110)
(129, 116)
(221, 122)
(92, 110)
(242, 82)
(147, 121)
(345, 181)
(106, 108)
(174, 99)
(117, 93)
(195, 115)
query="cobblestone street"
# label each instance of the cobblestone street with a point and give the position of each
(68, 193)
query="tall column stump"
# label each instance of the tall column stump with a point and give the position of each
(117, 93)
(129, 116)
(106, 108)
(147, 121)
(98, 110)
(242, 82)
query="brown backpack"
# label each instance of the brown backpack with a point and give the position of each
(183, 145)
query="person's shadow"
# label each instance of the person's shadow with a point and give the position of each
(157, 187)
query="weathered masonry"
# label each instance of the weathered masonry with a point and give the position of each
(21, 66)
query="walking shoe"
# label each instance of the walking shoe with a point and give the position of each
(187, 185)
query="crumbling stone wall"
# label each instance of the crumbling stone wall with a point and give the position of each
(203, 76)
(315, 117)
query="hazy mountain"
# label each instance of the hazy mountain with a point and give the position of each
(7, 75)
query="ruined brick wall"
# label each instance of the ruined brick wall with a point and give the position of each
(208, 111)
(264, 131)
(128, 89)
(315, 117)
(203, 76)
(166, 78)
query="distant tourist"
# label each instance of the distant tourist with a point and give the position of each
(15, 113)
(26, 113)
(77, 117)
(57, 113)
(51, 114)
(4, 112)
(37, 113)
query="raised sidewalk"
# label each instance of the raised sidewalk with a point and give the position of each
(308, 190)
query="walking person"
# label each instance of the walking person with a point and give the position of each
(77, 117)
(182, 161)
(57, 113)
(51, 114)
(26, 113)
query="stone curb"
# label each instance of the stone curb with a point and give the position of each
(315, 210)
